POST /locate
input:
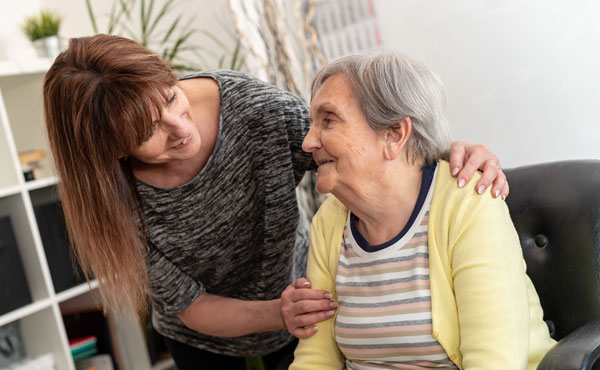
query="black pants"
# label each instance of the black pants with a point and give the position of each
(191, 358)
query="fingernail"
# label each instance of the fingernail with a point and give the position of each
(481, 189)
(328, 296)
(454, 171)
(461, 183)
(329, 313)
(306, 284)
(497, 193)
(503, 197)
(333, 304)
(315, 328)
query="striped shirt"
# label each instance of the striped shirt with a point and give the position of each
(384, 314)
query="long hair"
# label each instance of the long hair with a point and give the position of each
(100, 97)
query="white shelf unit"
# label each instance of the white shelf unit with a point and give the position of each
(41, 322)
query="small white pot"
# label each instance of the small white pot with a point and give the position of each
(47, 47)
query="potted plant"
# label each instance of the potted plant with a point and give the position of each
(42, 30)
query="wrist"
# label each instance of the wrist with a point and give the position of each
(280, 322)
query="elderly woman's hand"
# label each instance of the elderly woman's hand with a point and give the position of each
(302, 308)
(466, 158)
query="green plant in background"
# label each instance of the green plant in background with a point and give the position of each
(255, 363)
(166, 30)
(43, 25)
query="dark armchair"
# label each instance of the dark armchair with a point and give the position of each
(556, 210)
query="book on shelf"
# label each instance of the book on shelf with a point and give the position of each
(85, 353)
(90, 334)
(97, 362)
(83, 342)
(83, 347)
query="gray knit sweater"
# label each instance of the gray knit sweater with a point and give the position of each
(234, 230)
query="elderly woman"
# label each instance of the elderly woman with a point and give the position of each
(425, 274)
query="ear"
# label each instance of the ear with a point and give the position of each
(396, 137)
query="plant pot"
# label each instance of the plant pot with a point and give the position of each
(47, 47)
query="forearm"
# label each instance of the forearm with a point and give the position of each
(228, 317)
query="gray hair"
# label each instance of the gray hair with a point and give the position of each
(390, 86)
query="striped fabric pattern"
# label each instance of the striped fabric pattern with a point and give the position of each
(384, 315)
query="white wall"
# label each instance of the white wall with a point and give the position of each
(522, 77)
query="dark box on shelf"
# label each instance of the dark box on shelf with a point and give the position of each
(53, 231)
(11, 344)
(14, 290)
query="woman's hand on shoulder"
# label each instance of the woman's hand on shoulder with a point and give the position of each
(466, 158)
(303, 307)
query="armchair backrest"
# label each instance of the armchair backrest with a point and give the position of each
(556, 210)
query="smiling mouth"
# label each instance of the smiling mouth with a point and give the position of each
(186, 140)
(183, 142)
(320, 163)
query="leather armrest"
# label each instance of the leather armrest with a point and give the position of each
(578, 350)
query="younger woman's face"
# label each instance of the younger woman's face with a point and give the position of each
(174, 136)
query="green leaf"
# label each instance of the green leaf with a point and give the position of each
(171, 29)
(234, 58)
(221, 63)
(214, 38)
(143, 14)
(178, 43)
(163, 11)
(91, 15)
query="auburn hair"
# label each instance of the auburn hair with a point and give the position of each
(100, 98)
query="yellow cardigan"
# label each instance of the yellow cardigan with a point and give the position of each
(485, 311)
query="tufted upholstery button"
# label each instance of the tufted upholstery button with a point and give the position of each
(541, 241)
(435, 334)
(453, 357)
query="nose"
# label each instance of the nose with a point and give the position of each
(312, 141)
(176, 123)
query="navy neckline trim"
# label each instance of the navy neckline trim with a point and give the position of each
(427, 179)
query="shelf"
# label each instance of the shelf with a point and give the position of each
(10, 68)
(166, 364)
(41, 183)
(41, 322)
(30, 185)
(76, 291)
(10, 190)
(25, 311)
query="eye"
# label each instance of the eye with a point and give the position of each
(172, 98)
(154, 126)
(329, 118)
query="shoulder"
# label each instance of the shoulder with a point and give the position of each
(332, 213)
(448, 193)
(246, 85)
(455, 209)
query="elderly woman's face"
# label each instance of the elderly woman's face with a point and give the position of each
(343, 145)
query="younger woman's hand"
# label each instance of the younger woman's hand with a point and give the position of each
(303, 307)
(466, 158)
